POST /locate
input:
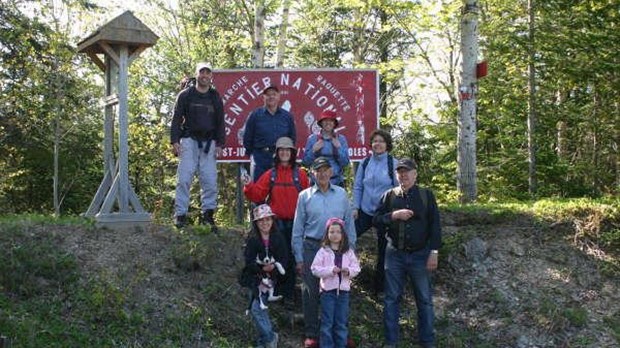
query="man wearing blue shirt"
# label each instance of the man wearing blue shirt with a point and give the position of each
(315, 206)
(264, 126)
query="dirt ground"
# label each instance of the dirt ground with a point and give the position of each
(503, 283)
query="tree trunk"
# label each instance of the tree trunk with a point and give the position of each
(283, 30)
(258, 51)
(531, 117)
(466, 155)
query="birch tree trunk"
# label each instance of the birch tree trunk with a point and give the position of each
(258, 51)
(286, 4)
(531, 117)
(466, 154)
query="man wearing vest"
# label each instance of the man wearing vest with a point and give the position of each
(410, 217)
(197, 136)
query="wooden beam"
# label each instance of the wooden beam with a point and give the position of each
(123, 130)
(93, 56)
(110, 52)
(136, 53)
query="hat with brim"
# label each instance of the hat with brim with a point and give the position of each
(406, 163)
(328, 115)
(320, 162)
(203, 65)
(285, 143)
(262, 211)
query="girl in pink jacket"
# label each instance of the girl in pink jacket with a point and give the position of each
(335, 264)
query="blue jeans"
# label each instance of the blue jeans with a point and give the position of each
(399, 265)
(262, 321)
(334, 318)
(261, 162)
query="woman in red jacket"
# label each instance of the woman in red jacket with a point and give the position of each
(279, 187)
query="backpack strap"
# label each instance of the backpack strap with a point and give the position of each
(296, 178)
(274, 175)
(390, 160)
(424, 193)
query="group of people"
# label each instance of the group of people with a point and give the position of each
(304, 223)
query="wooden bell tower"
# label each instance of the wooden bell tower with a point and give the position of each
(120, 42)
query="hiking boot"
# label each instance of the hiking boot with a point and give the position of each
(209, 218)
(180, 221)
(311, 343)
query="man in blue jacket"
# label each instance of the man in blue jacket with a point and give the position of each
(264, 127)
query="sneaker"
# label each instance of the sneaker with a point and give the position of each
(274, 342)
(311, 343)
(180, 221)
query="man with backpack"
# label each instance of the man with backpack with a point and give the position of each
(410, 217)
(279, 187)
(197, 134)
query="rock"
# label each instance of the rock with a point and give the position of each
(476, 250)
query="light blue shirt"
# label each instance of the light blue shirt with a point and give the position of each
(369, 185)
(314, 208)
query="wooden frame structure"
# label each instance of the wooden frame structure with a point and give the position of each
(120, 41)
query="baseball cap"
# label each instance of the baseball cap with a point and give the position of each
(406, 163)
(203, 65)
(272, 87)
(320, 162)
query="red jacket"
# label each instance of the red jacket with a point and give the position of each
(283, 194)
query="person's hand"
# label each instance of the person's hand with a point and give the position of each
(336, 270)
(218, 151)
(245, 179)
(336, 142)
(269, 267)
(318, 145)
(431, 262)
(344, 271)
(355, 213)
(176, 149)
(402, 214)
(299, 267)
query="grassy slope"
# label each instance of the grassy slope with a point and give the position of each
(545, 274)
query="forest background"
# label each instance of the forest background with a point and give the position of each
(50, 95)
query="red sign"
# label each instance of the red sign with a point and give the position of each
(353, 94)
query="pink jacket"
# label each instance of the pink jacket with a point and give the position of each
(323, 266)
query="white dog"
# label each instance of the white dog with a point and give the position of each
(266, 285)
